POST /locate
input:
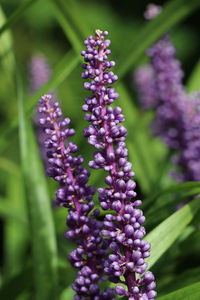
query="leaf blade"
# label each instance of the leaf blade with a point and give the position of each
(164, 235)
(43, 244)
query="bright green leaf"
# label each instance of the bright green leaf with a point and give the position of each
(165, 234)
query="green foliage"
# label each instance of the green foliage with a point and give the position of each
(29, 221)
(42, 232)
(191, 292)
(164, 235)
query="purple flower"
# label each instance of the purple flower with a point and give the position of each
(74, 193)
(144, 80)
(124, 228)
(177, 115)
(168, 79)
(188, 158)
(152, 11)
(40, 72)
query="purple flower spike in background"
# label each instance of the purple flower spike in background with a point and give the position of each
(40, 72)
(124, 228)
(168, 80)
(144, 79)
(76, 195)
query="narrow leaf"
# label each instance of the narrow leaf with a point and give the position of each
(193, 83)
(173, 13)
(165, 234)
(191, 292)
(62, 70)
(43, 240)
(17, 14)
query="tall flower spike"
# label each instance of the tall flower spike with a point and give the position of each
(40, 72)
(144, 80)
(124, 228)
(168, 80)
(76, 195)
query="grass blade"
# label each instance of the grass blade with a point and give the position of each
(16, 15)
(41, 221)
(62, 70)
(173, 13)
(190, 292)
(164, 235)
(193, 83)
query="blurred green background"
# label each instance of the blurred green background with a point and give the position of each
(57, 29)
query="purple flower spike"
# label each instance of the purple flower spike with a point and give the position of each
(40, 72)
(124, 228)
(152, 11)
(144, 79)
(76, 195)
(168, 80)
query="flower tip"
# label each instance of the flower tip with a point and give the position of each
(152, 11)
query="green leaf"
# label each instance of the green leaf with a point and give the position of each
(165, 234)
(17, 14)
(67, 294)
(193, 187)
(193, 83)
(62, 70)
(190, 292)
(43, 239)
(6, 54)
(16, 233)
(6, 212)
(173, 12)
(19, 283)
(179, 281)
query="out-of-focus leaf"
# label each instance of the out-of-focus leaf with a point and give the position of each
(180, 281)
(67, 293)
(67, 28)
(19, 283)
(43, 239)
(6, 212)
(17, 14)
(173, 12)
(9, 166)
(164, 235)
(15, 232)
(6, 54)
(193, 83)
(192, 187)
(191, 292)
(62, 70)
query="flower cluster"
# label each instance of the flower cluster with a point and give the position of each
(177, 117)
(40, 72)
(169, 87)
(144, 80)
(76, 195)
(124, 228)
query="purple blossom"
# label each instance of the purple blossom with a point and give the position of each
(152, 11)
(177, 115)
(188, 158)
(144, 80)
(168, 79)
(123, 228)
(40, 72)
(74, 194)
